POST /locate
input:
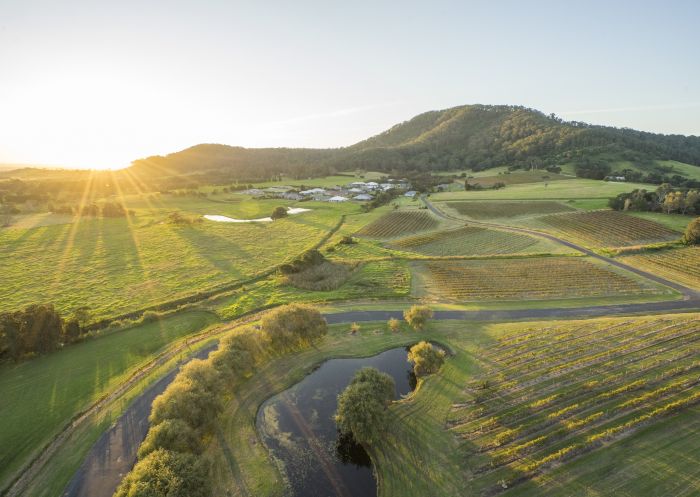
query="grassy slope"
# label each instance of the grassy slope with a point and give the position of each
(570, 189)
(40, 396)
(677, 222)
(103, 263)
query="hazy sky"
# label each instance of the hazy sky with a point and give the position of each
(100, 83)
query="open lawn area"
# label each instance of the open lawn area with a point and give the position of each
(497, 415)
(40, 396)
(570, 189)
(117, 265)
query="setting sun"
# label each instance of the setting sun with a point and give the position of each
(349, 249)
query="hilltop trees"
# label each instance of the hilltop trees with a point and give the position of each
(362, 405)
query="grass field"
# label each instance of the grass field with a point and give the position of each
(491, 210)
(507, 382)
(676, 222)
(400, 223)
(681, 264)
(473, 240)
(563, 190)
(40, 396)
(104, 263)
(608, 228)
(371, 280)
(525, 279)
(517, 178)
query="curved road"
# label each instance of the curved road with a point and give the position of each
(114, 453)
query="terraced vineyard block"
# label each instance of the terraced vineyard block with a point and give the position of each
(470, 240)
(398, 223)
(492, 210)
(609, 228)
(530, 279)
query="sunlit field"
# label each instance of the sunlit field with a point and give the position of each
(114, 266)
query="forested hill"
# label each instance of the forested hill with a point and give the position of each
(482, 136)
(472, 136)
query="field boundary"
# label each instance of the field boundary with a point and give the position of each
(688, 293)
(207, 294)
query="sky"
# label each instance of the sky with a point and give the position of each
(101, 83)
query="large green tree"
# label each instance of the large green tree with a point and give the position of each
(417, 316)
(362, 407)
(291, 326)
(692, 232)
(426, 358)
(166, 474)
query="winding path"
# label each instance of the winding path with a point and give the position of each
(115, 452)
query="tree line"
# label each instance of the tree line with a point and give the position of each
(36, 329)
(183, 416)
(665, 199)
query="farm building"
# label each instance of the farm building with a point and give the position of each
(313, 191)
(362, 196)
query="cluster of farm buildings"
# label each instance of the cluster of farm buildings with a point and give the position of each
(358, 190)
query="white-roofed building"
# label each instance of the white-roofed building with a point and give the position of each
(337, 198)
(363, 196)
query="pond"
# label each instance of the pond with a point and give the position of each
(226, 219)
(297, 427)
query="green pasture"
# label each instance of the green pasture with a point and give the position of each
(563, 190)
(113, 266)
(40, 396)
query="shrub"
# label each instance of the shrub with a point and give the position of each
(417, 316)
(173, 435)
(692, 232)
(292, 325)
(394, 325)
(188, 401)
(166, 474)
(362, 405)
(426, 358)
(279, 213)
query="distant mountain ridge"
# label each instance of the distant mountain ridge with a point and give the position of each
(470, 136)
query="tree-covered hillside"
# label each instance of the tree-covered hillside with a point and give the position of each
(470, 136)
(479, 137)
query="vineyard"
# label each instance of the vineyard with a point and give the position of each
(608, 228)
(469, 240)
(491, 210)
(399, 223)
(682, 265)
(547, 395)
(527, 279)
